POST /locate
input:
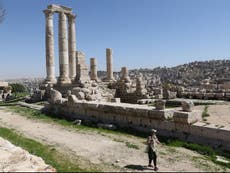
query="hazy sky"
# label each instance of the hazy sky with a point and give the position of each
(142, 33)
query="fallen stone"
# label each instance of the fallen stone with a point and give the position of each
(107, 126)
(187, 106)
(77, 122)
(80, 95)
(55, 96)
(16, 159)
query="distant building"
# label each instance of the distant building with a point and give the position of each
(3, 84)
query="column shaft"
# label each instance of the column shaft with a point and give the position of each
(72, 46)
(63, 50)
(50, 66)
(93, 69)
(109, 64)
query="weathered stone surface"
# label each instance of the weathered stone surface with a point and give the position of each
(187, 106)
(72, 46)
(59, 8)
(186, 117)
(86, 91)
(50, 66)
(125, 74)
(107, 126)
(16, 159)
(116, 100)
(90, 97)
(93, 69)
(109, 64)
(72, 99)
(55, 96)
(94, 84)
(167, 94)
(77, 122)
(80, 95)
(63, 50)
(160, 114)
(142, 112)
(82, 75)
(160, 104)
(140, 87)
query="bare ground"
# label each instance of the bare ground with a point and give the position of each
(218, 114)
(109, 151)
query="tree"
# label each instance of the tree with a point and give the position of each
(2, 13)
(17, 88)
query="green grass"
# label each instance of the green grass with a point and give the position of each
(35, 114)
(47, 153)
(207, 151)
(19, 97)
(20, 94)
(129, 145)
(205, 112)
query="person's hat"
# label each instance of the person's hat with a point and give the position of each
(153, 130)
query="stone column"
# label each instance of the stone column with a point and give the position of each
(72, 46)
(124, 73)
(93, 69)
(109, 64)
(63, 50)
(50, 67)
(140, 86)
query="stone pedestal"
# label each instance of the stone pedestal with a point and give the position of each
(93, 69)
(109, 64)
(72, 46)
(50, 67)
(63, 51)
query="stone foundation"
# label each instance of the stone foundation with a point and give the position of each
(168, 122)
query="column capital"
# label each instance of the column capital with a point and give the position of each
(48, 13)
(72, 17)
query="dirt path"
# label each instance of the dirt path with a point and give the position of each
(106, 149)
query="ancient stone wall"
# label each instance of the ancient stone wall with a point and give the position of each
(169, 122)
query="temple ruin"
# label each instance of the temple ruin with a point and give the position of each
(78, 92)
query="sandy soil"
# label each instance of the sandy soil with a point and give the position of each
(218, 114)
(106, 149)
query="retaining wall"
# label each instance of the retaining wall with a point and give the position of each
(168, 122)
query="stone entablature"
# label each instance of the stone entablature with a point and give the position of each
(59, 9)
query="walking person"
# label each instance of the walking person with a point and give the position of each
(152, 142)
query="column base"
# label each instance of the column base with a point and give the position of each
(72, 79)
(64, 80)
(110, 80)
(50, 81)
